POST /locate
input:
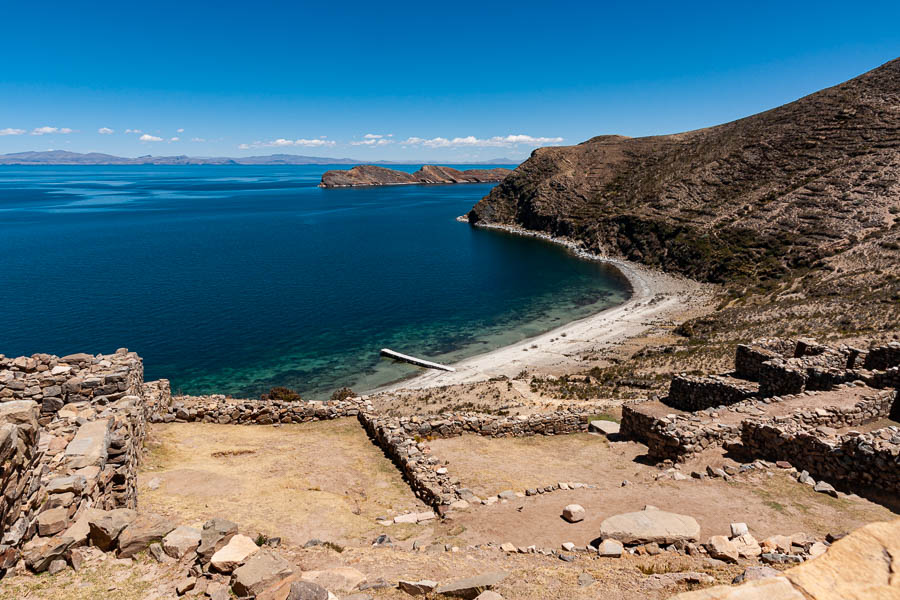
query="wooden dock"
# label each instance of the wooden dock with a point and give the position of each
(420, 362)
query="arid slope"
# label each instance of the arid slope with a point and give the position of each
(796, 210)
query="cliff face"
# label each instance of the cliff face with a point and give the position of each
(369, 175)
(814, 183)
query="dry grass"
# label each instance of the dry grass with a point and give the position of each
(107, 579)
(323, 479)
(489, 466)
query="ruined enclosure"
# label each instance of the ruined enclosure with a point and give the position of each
(826, 410)
(320, 479)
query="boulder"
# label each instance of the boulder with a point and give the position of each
(779, 543)
(181, 540)
(826, 488)
(39, 552)
(739, 529)
(215, 534)
(50, 522)
(864, 564)
(107, 525)
(219, 591)
(145, 530)
(305, 590)
(417, 588)
(470, 587)
(57, 566)
(722, 548)
(238, 549)
(648, 526)
(755, 573)
(341, 579)
(573, 513)
(262, 570)
(279, 590)
(747, 546)
(817, 549)
(610, 548)
(21, 413)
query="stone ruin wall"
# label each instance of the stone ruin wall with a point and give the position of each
(223, 410)
(52, 381)
(786, 367)
(404, 440)
(19, 478)
(59, 460)
(697, 393)
(883, 358)
(853, 459)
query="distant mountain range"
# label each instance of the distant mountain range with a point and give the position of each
(62, 157)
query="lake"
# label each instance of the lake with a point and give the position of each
(234, 279)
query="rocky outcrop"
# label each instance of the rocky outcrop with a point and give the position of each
(371, 175)
(863, 564)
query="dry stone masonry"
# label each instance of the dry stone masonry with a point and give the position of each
(808, 396)
(71, 432)
(404, 440)
(224, 410)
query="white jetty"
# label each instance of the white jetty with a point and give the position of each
(421, 362)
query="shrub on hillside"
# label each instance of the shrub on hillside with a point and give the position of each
(282, 393)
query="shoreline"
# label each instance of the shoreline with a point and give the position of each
(655, 297)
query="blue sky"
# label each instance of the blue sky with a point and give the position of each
(436, 81)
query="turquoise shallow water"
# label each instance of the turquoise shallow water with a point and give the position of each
(233, 279)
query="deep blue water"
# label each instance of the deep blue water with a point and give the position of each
(233, 279)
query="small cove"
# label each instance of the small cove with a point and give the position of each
(233, 279)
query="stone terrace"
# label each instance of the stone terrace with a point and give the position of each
(831, 394)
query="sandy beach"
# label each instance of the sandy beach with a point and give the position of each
(656, 297)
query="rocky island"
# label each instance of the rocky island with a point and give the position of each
(371, 175)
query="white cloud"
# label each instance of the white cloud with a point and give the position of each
(179, 130)
(48, 130)
(282, 142)
(372, 141)
(472, 141)
(150, 138)
(133, 131)
(105, 131)
(174, 139)
(11, 131)
(373, 136)
(196, 139)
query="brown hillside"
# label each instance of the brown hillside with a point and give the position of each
(753, 198)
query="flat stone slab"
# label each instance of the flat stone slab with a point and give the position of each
(180, 541)
(604, 427)
(470, 587)
(649, 526)
(265, 568)
(338, 579)
(89, 446)
(234, 553)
